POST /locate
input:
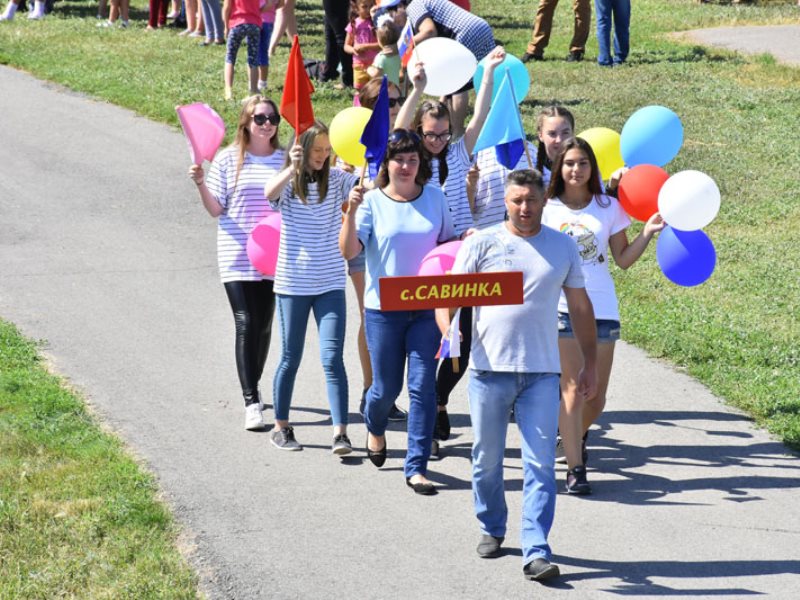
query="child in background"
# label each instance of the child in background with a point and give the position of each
(388, 59)
(268, 10)
(361, 40)
(242, 20)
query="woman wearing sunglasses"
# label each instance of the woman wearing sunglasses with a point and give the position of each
(397, 224)
(450, 163)
(233, 192)
(310, 276)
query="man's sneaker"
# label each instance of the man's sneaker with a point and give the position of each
(397, 414)
(341, 445)
(283, 439)
(576, 482)
(489, 546)
(253, 420)
(575, 57)
(529, 56)
(540, 569)
(561, 458)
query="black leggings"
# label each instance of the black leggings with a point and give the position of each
(446, 379)
(253, 304)
(337, 13)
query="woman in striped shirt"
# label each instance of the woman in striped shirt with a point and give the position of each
(310, 275)
(233, 192)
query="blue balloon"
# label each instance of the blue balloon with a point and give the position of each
(687, 258)
(520, 78)
(651, 136)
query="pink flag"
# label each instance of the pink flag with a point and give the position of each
(204, 130)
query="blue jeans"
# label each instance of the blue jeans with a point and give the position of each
(329, 313)
(393, 337)
(212, 20)
(621, 10)
(535, 398)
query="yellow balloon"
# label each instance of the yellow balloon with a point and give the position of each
(605, 144)
(345, 134)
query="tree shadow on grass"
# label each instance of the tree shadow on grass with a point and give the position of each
(682, 54)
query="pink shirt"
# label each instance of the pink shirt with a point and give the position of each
(364, 33)
(268, 16)
(245, 12)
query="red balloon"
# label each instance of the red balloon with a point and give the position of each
(638, 190)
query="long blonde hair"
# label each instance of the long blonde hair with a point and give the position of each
(242, 140)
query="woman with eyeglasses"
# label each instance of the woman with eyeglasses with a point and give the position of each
(450, 163)
(397, 224)
(233, 192)
(310, 276)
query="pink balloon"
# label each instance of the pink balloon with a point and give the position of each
(263, 244)
(204, 130)
(440, 260)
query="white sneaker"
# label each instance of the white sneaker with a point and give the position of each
(105, 24)
(35, 16)
(253, 420)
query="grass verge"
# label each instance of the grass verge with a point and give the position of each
(78, 518)
(737, 333)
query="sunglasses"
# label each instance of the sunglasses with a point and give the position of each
(261, 119)
(403, 134)
(396, 101)
(432, 137)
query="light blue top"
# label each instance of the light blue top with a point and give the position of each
(398, 235)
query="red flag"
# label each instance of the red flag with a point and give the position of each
(297, 89)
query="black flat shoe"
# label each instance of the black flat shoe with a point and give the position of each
(376, 457)
(423, 488)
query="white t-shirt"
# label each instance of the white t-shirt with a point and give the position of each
(244, 206)
(520, 338)
(490, 207)
(309, 260)
(590, 228)
(397, 235)
(455, 186)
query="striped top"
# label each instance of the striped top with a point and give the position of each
(455, 186)
(309, 260)
(455, 23)
(490, 206)
(244, 206)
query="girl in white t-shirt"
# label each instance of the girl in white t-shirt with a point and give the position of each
(233, 192)
(578, 207)
(310, 276)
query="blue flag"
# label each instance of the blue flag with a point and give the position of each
(503, 127)
(376, 132)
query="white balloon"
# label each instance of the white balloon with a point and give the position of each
(448, 65)
(689, 200)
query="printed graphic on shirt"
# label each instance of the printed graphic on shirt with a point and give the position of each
(586, 241)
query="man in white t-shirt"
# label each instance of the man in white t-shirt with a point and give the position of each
(514, 364)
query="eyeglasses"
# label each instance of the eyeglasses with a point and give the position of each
(261, 119)
(396, 101)
(433, 137)
(403, 134)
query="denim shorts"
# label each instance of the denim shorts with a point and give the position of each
(607, 330)
(357, 264)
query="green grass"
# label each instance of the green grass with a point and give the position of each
(738, 332)
(78, 518)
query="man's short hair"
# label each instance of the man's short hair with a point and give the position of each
(525, 177)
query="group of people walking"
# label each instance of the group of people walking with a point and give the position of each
(547, 360)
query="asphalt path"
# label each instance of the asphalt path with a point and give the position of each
(108, 257)
(779, 40)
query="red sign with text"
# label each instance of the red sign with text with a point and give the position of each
(444, 291)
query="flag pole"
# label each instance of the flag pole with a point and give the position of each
(519, 118)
